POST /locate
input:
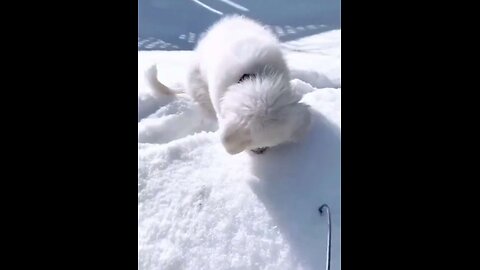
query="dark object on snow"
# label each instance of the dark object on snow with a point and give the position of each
(259, 150)
(322, 210)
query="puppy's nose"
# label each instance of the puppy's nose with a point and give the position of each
(259, 150)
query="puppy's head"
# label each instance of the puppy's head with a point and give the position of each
(262, 112)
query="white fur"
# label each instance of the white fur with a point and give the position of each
(262, 111)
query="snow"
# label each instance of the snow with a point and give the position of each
(201, 208)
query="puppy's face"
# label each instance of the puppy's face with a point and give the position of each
(261, 112)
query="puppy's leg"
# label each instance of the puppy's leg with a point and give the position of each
(197, 88)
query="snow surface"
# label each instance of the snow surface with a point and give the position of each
(201, 208)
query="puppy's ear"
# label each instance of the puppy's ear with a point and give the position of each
(302, 117)
(235, 137)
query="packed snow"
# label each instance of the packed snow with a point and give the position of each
(201, 208)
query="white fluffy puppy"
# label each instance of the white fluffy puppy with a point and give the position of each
(239, 76)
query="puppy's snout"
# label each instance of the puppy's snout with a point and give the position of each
(235, 143)
(234, 147)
